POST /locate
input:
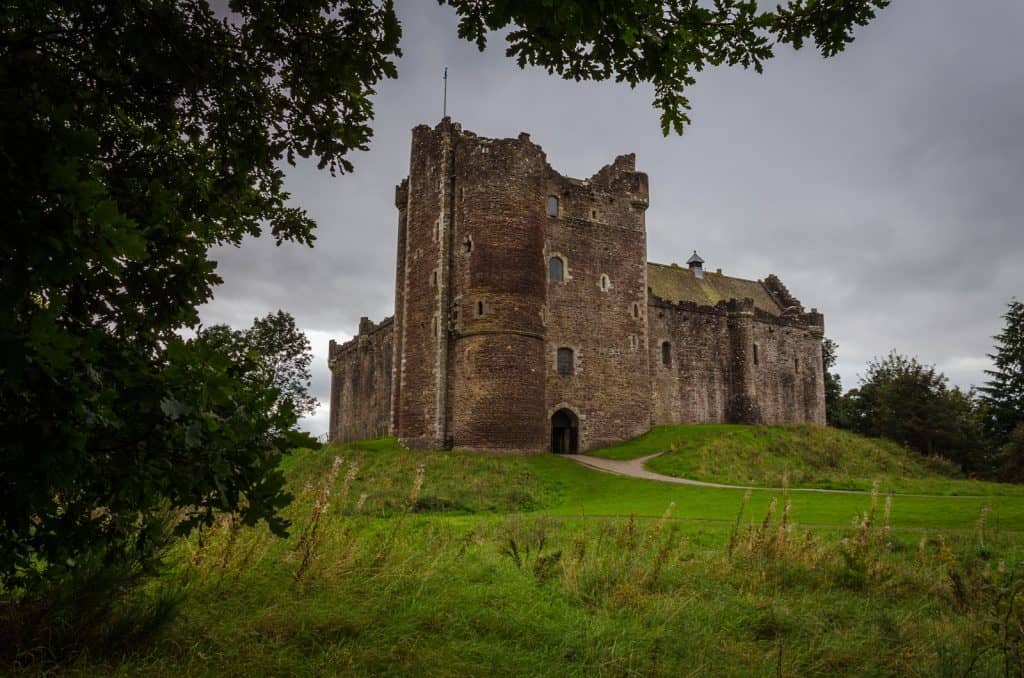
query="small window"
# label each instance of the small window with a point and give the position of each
(479, 308)
(636, 310)
(433, 279)
(605, 283)
(666, 353)
(556, 269)
(468, 244)
(796, 365)
(552, 206)
(755, 355)
(565, 361)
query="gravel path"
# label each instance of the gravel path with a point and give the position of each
(635, 469)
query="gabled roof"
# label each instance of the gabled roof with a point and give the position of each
(675, 284)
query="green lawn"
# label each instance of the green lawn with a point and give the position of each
(452, 563)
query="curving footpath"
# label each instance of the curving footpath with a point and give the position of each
(634, 468)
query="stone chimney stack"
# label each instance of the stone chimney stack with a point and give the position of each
(696, 265)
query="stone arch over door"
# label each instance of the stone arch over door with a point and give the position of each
(565, 431)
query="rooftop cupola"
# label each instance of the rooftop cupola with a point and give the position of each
(696, 265)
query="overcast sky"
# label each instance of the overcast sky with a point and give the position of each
(884, 186)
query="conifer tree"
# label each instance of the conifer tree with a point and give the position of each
(1002, 396)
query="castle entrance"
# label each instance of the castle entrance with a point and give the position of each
(565, 436)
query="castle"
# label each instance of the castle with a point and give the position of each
(527, 317)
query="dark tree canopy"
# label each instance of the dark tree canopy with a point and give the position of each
(135, 136)
(903, 400)
(281, 350)
(662, 42)
(833, 384)
(1003, 394)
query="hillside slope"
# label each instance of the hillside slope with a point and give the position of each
(796, 456)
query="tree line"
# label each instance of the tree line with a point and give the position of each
(898, 397)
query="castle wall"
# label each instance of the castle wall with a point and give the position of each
(419, 326)
(789, 374)
(599, 231)
(695, 386)
(496, 382)
(713, 375)
(361, 379)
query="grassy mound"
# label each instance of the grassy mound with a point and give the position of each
(450, 482)
(797, 456)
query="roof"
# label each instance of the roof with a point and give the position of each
(695, 259)
(675, 284)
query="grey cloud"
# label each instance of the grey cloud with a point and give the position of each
(883, 186)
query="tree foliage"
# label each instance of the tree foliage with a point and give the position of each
(281, 350)
(662, 42)
(135, 136)
(1002, 396)
(903, 400)
(833, 384)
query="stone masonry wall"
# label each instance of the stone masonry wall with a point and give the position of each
(496, 382)
(599, 310)
(361, 378)
(694, 387)
(700, 385)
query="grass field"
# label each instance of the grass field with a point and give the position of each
(460, 564)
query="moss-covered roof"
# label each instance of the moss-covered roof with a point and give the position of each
(675, 284)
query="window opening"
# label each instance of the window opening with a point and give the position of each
(552, 206)
(755, 355)
(556, 269)
(565, 361)
(666, 353)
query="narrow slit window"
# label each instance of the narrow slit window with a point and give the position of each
(556, 269)
(666, 353)
(564, 361)
(796, 365)
(605, 283)
(756, 361)
(552, 206)
(479, 308)
(636, 310)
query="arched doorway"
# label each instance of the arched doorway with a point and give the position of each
(565, 432)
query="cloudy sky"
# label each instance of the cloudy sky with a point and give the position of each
(884, 186)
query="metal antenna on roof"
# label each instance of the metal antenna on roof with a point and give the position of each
(444, 97)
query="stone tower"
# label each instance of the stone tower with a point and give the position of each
(479, 322)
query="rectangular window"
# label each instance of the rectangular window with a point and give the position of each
(552, 206)
(565, 361)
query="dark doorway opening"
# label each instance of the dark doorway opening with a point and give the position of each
(565, 432)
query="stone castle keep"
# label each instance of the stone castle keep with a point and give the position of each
(527, 317)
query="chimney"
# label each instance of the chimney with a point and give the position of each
(696, 265)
